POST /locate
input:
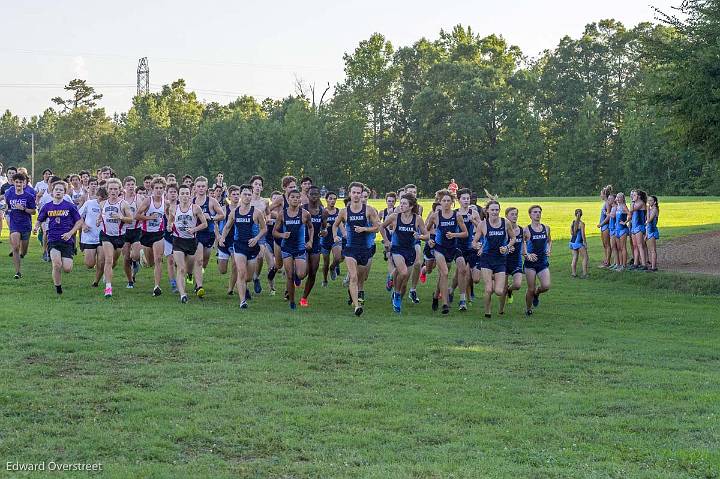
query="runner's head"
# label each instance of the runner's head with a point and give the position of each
(492, 208)
(75, 181)
(257, 182)
(171, 191)
(446, 199)
(201, 186)
(653, 201)
(535, 212)
(356, 190)
(20, 180)
(289, 183)
(158, 187)
(330, 199)
(113, 186)
(101, 193)
(147, 182)
(511, 213)
(129, 184)
(234, 194)
(294, 198)
(105, 173)
(464, 197)
(411, 189)
(408, 202)
(275, 196)
(92, 184)
(365, 194)
(605, 192)
(305, 184)
(313, 194)
(246, 194)
(184, 193)
(390, 199)
(219, 178)
(46, 174)
(59, 189)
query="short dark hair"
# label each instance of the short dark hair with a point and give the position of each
(187, 177)
(47, 170)
(19, 176)
(356, 184)
(147, 178)
(464, 191)
(257, 177)
(305, 178)
(330, 193)
(183, 186)
(245, 186)
(287, 180)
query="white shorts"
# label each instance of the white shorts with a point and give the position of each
(168, 249)
(222, 256)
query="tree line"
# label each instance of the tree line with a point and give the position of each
(634, 107)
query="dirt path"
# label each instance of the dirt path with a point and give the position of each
(698, 253)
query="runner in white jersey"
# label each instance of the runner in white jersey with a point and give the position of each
(185, 221)
(151, 215)
(114, 212)
(171, 199)
(76, 190)
(131, 234)
(90, 235)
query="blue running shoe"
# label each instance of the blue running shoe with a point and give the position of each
(293, 306)
(536, 300)
(462, 305)
(258, 286)
(397, 303)
(296, 280)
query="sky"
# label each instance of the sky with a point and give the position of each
(224, 49)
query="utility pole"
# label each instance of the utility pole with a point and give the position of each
(32, 156)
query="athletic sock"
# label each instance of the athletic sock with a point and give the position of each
(462, 296)
(108, 285)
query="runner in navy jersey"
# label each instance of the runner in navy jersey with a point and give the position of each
(266, 250)
(329, 245)
(539, 246)
(317, 216)
(248, 226)
(513, 260)
(294, 227)
(289, 183)
(407, 227)
(360, 221)
(390, 201)
(468, 260)
(449, 228)
(225, 252)
(496, 232)
(212, 211)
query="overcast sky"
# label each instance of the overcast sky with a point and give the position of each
(224, 49)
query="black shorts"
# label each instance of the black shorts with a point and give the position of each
(207, 240)
(67, 250)
(449, 253)
(148, 239)
(185, 245)
(360, 255)
(496, 264)
(24, 235)
(407, 254)
(132, 236)
(117, 242)
(84, 246)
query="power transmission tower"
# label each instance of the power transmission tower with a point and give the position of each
(143, 77)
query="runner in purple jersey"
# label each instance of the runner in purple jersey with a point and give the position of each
(21, 206)
(64, 221)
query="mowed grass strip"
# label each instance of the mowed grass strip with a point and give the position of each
(608, 379)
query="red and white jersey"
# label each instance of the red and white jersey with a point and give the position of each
(133, 208)
(157, 212)
(184, 220)
(111, 226)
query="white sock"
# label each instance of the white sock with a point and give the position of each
(108, 285)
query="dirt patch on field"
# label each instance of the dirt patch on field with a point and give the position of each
(696, 253)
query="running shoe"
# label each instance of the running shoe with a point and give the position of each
(18, 275)
(359, 311)
(200, 292)
(108, 292)
(293, 306)
(510, 297)
(130, 285)
(273, 291)
(257, 285)
(135, 268)
(157, 291)
(536, 300)
(333, 274)
(230, 293)
(243, 305)
(488, 315)
(529, 312)
(423, 275)
(324, 284)
(414, 297)
(304, 302)
(435, 303)
(361, 297)
(462, 305)
(189, 278)
(396, 302)
(173, 286)
(296, 280)
(271, 273)
(445, 309)
(94, 285)
(184, 299)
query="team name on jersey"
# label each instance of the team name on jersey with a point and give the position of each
(537, 236)
(295, 221)
(316, 219)
(243, 219)
(447, 223)
(21, 203)
(55, 213)
(496, 233)
(406, 229)
(356, 218)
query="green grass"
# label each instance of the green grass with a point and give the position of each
(613, 377)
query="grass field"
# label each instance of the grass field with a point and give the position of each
(610, 378)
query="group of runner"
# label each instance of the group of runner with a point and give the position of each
(290, 232)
